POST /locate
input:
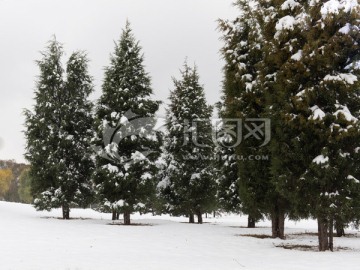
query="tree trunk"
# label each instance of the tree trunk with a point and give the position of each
(331, 234)
(113, 215)
(199, 216)
(277, 224)
(251, 222)
(127, 218)
(117, 215)
(66, 211)
(191, 218)
(322, 234)
(340, 231)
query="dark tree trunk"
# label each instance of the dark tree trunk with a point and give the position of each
(214, 214)
(113, 215)
(322, 234)
(191, 218)
(340, 231)
(277, 224)
(199, 217)
(127, 218)
(251, 222)
(331, 234)
(117, 215)
(66, 211)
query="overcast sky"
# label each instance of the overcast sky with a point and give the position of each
(168, 30)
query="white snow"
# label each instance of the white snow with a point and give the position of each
(345, 29)
(330, 7)
(163, 183)
(335, 6)
(195, 176)
(120, 203)
(285, 23)
(301, 93)
(111, 168)
(146, 176)
(344, 110)
(297, 56)
(137, 156)
(41, 241)
(342, 77)
(320, 159)
(123, 120)
(289, 4)
(317, 113)
(350, 177)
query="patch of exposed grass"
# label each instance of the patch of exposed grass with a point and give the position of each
(259, 236)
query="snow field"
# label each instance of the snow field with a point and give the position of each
(40, 240)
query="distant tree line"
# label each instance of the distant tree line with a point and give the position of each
(14, 182)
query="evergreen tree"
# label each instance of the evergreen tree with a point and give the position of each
(331, 56)
(307, 53)
(243, 98)
(127, 145)
(58, 133)
(281, 75)
(227, 177)
(310, 81)
(189, 181)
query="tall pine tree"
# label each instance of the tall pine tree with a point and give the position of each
(58, 133)
(127, 145)
(189, 181)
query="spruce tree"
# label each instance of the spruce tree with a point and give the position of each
(127, 146)
(58, 133)
(189, 184)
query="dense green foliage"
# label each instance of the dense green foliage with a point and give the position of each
(127, 145)
(188, 183)
(58, 132)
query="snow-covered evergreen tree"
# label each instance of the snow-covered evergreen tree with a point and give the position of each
(281, 77)
(188, 185)
(127, 146)
(58, 132)
(331, 92)
(311, 82)
(244, 98)
(305, 70)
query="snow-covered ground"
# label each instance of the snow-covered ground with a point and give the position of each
(39, 240)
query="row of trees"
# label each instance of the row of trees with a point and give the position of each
(293, 62)
(14, 182)
(111, 154)
(297, 63)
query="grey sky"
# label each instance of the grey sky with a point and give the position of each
(168, 30)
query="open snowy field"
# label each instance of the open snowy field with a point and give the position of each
(39, 240)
